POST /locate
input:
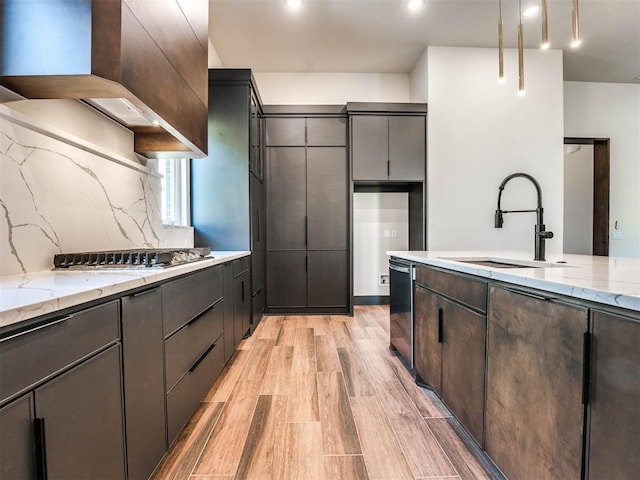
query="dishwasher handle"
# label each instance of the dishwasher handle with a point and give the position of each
(399, 268)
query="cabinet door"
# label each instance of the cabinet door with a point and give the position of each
(614, 442)
(327, 279)
(327, 198)
(257, 234)
(16, 439)
(229, 313)
(463, 365)
(534, 385)
(142, 353)
(286, 279)
(288, 132)
(255, 152)
(407, 147)
(370, 147)
(242, 305)
(328, 132)
(427, 338)
(82, 414)
(286, 198)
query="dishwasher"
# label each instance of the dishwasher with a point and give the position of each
(401, 276)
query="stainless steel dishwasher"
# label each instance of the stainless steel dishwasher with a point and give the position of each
(401, 274)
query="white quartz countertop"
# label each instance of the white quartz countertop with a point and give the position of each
(606, 280)
(33, 294)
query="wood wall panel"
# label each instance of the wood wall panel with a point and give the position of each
(170, 30)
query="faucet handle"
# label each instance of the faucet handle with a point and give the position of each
(545, 234)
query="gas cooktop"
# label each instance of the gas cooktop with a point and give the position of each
(126, 259)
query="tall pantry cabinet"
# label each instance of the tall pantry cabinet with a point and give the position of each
(227, 187)
(307, 210)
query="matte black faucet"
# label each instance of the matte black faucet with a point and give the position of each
(540, 234)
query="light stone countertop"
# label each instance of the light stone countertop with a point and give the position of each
(27, 296)
(606, 280)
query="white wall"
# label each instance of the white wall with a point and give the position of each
(419, 79)
(607, 110)
(332, 88)
(578, 199)
(479, 132)
(373, 215)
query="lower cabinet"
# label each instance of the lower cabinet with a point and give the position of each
(534, 411)
(81, 421)
(143, 358)
(101, 393)
(614, 409)
(299, 279)
(450, 355)
(17, 439)
(61, 386)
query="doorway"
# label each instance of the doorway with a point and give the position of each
(595, 168)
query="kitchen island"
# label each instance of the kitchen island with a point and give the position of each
(539, 361)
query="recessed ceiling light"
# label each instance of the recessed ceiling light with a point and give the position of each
(294, 3)
(414, 4)
(530, 11)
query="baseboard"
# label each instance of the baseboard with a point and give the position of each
(371, 300)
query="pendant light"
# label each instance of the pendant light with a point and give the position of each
(545, 26)
(575, 21)
(500, 45)
(520, 51)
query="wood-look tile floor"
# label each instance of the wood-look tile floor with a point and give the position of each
(320, 397)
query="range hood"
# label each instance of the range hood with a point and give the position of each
(143, 63)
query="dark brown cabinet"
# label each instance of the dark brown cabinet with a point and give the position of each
(227, 189)
(16, 439)
(307, 214)
(143, 358)
(69, 376)
(614, 435)
(534, 411)
(427, 343)
(193, 318)
(450, 337)
(81, 411)
(388, 147)
(241, 299)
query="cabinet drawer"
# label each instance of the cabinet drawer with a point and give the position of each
(462, 289)
(241, 265)
(184, 398)
(32, 356)
(187, 297)
(184, 348)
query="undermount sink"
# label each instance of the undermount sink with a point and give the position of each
(505, 262)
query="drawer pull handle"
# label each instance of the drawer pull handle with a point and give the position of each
(41, 454)
(242, 291)
(139, 294)
(201, 358)
(531, 295)
(440, 325)
(200, 315)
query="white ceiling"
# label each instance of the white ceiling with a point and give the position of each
(383, 36)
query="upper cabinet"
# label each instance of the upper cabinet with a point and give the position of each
(388, 141)
(143, 63)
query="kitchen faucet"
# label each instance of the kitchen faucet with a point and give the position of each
(540, 234)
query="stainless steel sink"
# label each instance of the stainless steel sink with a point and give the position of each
(505, 262)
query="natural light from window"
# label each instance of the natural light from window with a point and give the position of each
(175, 192)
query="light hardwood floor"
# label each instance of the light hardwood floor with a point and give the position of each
(320, 397)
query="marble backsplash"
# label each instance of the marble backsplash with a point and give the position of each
(59, 196)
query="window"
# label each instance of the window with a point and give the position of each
(175, 191)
